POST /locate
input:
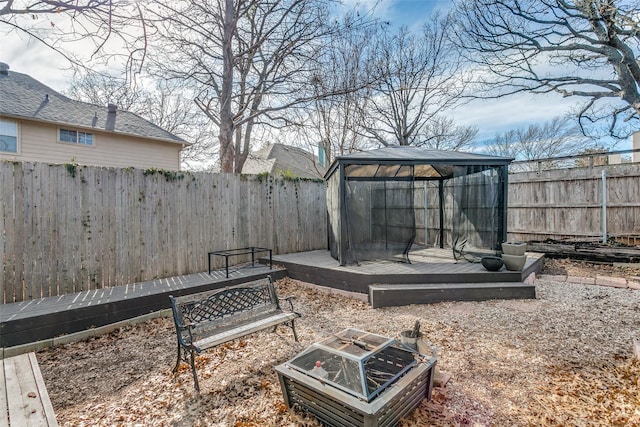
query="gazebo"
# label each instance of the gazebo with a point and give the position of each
(382, 202)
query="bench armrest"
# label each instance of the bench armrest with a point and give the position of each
(289, 299)
(185, 327)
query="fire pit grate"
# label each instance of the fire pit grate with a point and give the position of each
(355, 378)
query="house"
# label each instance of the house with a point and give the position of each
(284, 160)
(38, 124)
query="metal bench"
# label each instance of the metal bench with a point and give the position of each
(207, 319)
(24, 401)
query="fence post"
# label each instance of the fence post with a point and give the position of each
(604, 207)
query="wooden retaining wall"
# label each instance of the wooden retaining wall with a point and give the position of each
(68, 228)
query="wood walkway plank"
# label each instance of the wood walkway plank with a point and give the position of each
(27, 401)
(4, 409)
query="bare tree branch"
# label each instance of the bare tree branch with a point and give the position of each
(60, 24)
(421, 78)
(587, 49)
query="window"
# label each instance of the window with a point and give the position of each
(76, 137)
(8, 136)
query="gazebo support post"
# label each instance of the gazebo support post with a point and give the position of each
(504, 171)
(441, 210)
(342, 248)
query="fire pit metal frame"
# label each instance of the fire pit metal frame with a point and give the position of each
(334, 406)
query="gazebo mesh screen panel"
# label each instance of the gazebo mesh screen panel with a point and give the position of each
(380, 219)
(474, 199)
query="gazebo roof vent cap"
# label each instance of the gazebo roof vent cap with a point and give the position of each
(4, 69)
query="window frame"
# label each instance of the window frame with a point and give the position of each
(17, 136)
(79, 134)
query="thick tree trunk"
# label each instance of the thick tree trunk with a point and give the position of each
(227, 154)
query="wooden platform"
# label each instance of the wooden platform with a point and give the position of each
(24, 400)
(45, 318)
(433, 276)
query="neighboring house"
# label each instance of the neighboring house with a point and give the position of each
(284, 160)
(38, 124)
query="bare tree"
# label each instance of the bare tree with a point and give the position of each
(334, 124)
(560, 136)
(421, 78)
(442, 133)
(59, 24)
(250, 60)
(587, 49)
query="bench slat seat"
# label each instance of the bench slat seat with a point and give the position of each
(211, 318)
(239, 331)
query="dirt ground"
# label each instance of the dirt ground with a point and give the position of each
(565, 358)
(563, 266)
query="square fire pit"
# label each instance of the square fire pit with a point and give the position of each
(356, 378)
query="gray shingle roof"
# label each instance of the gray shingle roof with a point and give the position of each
(22, 96)
(279, 157)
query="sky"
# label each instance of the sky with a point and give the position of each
(489, 116)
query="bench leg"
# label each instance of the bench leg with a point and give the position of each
(293, 326)
(175, 368)
(193, 370)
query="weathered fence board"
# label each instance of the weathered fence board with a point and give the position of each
(567, 203)
(555, 204)
(67, 228)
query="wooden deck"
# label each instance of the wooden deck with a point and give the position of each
(434, 275)
(24, 401)
(45, 318)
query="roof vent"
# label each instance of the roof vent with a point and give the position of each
(112, 108)
(4, 69)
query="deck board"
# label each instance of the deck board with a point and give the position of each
(46, 318)
(26, 401)
(434, 273)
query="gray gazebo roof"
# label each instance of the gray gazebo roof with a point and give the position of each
(395, 161)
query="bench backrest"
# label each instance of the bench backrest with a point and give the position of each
(223, 306)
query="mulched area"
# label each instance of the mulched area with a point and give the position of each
(565, 358)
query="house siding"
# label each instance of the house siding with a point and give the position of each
(38, 142)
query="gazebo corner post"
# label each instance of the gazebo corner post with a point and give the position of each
(342, 247)
(504, 170)
(441, 210)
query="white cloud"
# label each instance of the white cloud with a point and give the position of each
(493, 116)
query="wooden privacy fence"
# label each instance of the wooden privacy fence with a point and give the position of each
(554, 204)
(568, 203)
(69, 228)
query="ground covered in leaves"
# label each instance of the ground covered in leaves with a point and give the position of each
(568, 267)
(564, 358)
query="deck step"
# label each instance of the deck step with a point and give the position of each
(390, 295)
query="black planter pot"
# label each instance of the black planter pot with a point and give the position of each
(492, 263)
